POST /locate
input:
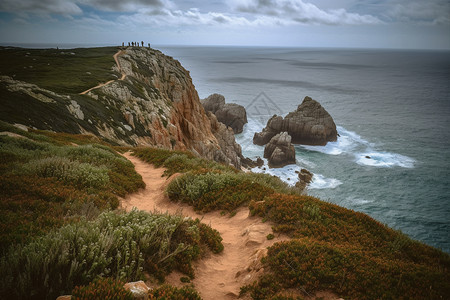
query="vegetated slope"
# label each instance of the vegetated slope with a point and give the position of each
(49, 180)
(150, 100)
(217, 276)
(332, 248)
(53, 232)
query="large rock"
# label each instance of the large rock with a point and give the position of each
(231, 114)
(279, 151)
(310, 124)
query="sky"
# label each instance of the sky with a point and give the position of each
(404, 24)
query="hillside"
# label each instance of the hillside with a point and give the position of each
(67, 217)
(149, 99)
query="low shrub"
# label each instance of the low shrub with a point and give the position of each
(213, 191)
(115, 245)
(347, 252)
(179, 162)
(82, 175)
(46, 183)
(168, 292)
(102, 289)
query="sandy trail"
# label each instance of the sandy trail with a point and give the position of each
(120, 52)
(218, 276)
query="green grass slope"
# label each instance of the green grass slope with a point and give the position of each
(69, 71)
(332, 248)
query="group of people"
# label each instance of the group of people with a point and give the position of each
(135, 44)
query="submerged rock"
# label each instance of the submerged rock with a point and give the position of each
(230, 114)
(279, 151)
(310, 124)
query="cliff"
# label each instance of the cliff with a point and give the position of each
(149, 101)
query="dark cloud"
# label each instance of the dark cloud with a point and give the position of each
(41, 7)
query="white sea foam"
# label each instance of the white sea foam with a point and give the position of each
(351, 143)
(384, 159)
(346, 143)
(287, 173)
(321, 182)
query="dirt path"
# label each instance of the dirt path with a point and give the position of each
(120, 52)
(218, 276)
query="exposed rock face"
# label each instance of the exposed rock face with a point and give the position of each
(279, 151)
(304, 178)
(155, 104)
(310, 124)
(231, 114)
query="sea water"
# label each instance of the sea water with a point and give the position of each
(392, 111)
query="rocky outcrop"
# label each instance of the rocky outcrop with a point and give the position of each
(153, 104)
(310, 124)
(279, 151)
(231, 114)
(304, 178)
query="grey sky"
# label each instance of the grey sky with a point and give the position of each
(310, 23)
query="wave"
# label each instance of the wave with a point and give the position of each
(384, 159)
(320, 182)
(351, 143)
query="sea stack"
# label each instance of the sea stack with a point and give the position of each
(310, 124)
(231, 114)
(279, 151)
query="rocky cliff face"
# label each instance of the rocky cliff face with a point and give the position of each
(310, 124)
(153, 104)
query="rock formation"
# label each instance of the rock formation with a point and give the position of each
(304, 178)
(310, 124)
(279, 151)
(153, 104)
(231, 114)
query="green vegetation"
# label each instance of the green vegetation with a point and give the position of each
(172, 293)
(346, 252)
(208, 185)
(102, 289)
(117, 245)
(179, 161)
(61, 71)
(47, 182)
(332, 248)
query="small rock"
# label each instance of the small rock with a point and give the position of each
(138, 288)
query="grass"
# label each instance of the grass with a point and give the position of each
(60, 70)
(47, 182)
(347, 252)
(332, 248)
(117, 245)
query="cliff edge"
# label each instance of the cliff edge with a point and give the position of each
(149, 101)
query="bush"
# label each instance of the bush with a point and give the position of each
(82, 175)
(102, 289)
(46, 183)
(120, 246)
(172, 293)
(180, 162)
(347, 252)
(212, 191)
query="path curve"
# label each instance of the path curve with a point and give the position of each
(120, 52)
(217, 276)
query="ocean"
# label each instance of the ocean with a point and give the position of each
(392, 111)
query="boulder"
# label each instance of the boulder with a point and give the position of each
(279, 151)
(310, 124)
(231, 114)
(304, 178)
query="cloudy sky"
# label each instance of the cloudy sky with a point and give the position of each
(300, 23)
